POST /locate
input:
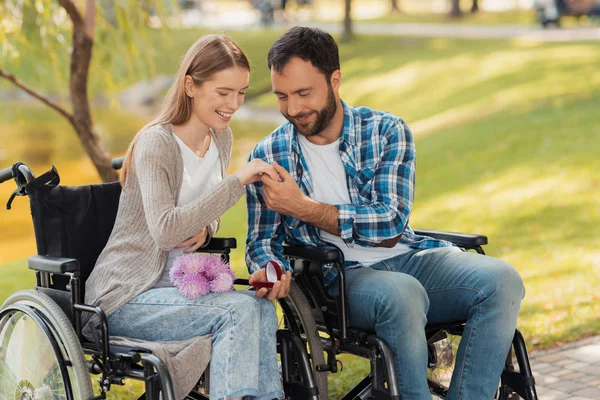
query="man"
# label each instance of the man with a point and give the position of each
(348, 181)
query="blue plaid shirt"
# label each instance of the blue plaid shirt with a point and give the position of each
(378, 154)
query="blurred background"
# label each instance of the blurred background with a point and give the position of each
(502, 96)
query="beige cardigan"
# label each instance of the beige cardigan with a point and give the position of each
(148, 224)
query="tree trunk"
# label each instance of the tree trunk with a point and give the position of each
(455, 11)
(395, 6)
(78, 86)
(475, 7)
(82, 118)
(348, 34)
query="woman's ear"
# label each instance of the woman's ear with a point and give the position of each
(189, 86)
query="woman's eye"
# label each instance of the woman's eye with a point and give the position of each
(222, 94)
(243, 93)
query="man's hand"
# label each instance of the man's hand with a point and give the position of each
(280, 289)
(194, 242)
(283, 197)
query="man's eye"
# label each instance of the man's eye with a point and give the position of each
(243, 93)
(304, 94)
(281, 97)
(222, 94)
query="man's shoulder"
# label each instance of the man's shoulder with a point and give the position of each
(378, 117)
(274, 143)
(379, 123)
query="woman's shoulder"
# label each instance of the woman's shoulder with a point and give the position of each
(156, 138)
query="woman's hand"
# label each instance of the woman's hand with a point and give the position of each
(194, 242)
(280, 289)
(252, 172)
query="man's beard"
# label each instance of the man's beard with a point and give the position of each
(324, 117)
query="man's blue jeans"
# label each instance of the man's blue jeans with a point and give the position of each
(243, 327)
(396, 298)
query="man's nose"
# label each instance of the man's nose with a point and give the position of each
(293, 107)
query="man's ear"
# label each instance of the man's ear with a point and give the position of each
(336, 79)
(189, 86)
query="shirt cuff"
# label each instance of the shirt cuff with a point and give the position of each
(346, 214)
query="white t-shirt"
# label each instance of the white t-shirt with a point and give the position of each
(200, 176)
(328, 177)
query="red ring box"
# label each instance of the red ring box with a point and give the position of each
(274, 273)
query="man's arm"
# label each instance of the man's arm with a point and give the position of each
(377, 224)
(382, 222)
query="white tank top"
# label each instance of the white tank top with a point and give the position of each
(200, 176)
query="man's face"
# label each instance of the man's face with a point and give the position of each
(306, 98)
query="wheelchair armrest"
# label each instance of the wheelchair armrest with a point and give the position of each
(53, 265)
(217, 243)
(459, 239)
(312, 253)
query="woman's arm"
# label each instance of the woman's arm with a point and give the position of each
(155, 169)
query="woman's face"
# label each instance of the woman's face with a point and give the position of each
(216, 100)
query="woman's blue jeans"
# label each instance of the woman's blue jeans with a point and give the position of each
(396, 298)
(243, 328)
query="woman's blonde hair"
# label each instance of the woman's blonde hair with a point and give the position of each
(209, 55)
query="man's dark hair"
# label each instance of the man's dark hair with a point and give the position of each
(308, 44)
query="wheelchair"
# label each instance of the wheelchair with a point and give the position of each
(43, 354)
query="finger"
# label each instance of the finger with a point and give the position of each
(273, 294)
(267, 180)
(257, 276)
(187, 243)
(193, 248)
(286, 279)
(271, 173)
(260, 293)
(281, 171)
(288, 283)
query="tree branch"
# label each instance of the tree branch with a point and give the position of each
(72, 10)
(90, 18)
(38, 96)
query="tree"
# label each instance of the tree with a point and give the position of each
(43, 23)
(395, 8)
(474, 6)
(348, 32)
(455, 11)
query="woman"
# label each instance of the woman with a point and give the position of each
(175, 189)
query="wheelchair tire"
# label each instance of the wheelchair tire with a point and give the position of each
(40, 354)
(301, 308)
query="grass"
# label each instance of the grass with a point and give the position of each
(507, 136)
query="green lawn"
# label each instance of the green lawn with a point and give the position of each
(507, 135)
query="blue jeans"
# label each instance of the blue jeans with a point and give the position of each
(243, 327)
(397, 297)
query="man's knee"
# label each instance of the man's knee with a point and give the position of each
(402, 296)
(503, 280)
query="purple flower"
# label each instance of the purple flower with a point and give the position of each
(197, 274)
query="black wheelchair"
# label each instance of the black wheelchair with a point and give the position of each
(43, 354)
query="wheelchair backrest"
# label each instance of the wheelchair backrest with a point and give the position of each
(74, 222)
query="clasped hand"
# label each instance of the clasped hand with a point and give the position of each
(285, 196)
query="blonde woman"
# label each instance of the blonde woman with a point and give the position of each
(175, 188)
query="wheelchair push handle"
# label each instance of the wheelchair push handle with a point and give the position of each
(6, 174)
(117, 163)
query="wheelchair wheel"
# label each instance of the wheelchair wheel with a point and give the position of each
(40, 355)
(442, 358)
(300, 320)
